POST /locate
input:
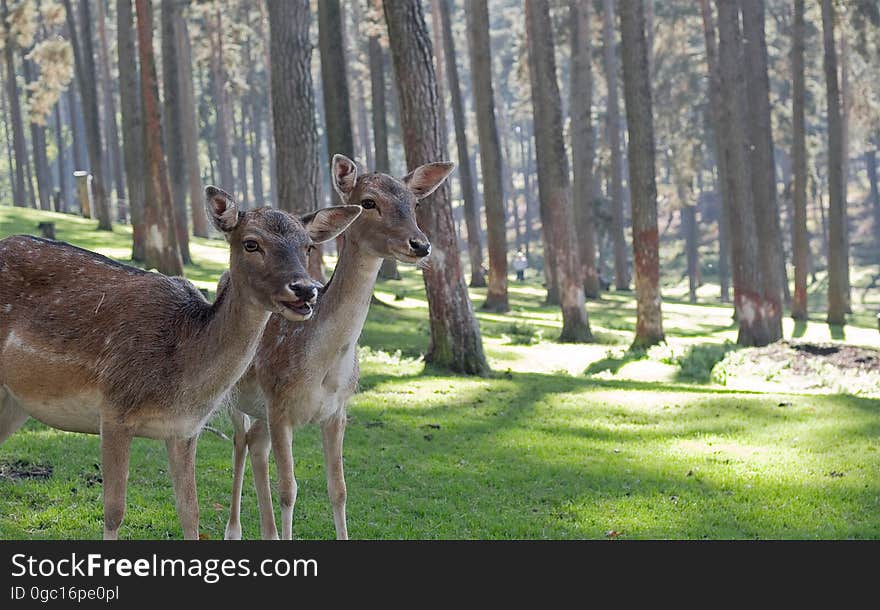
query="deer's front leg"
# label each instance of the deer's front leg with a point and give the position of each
(334, 431)
(281, 433)
(115, 452)
(239, 455)
(182, 465)
(259, 445)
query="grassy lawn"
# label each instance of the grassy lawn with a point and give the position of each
(562, 441)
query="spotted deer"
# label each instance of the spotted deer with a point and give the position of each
(305, 372)
(90, 345)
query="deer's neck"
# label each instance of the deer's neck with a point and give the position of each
(221, 350)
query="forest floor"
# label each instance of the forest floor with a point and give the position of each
(692, 439)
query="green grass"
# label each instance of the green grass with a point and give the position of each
(563, 441)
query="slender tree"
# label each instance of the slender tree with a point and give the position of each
(19, 197)
(799, 156)
(111, 131)
(132, 125)
(477, 15)
(221, 102)
(455, 335)
(161, 249)
(640, 123)
(747, 277)
(553, 180)
(38, 145)
(760, 133)
(465, 176)
(621, 267)
(84, 60)
(582, 140)
(838, 255)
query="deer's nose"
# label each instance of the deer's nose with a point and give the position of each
(420, 248)
(306, 292)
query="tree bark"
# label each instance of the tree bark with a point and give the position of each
(455, 335)
(38, 147)
(465, 177)
(643, 187)
(747, 276)
(760, 133)
(112, 132)
(162, 251)
(61, 160)
(19, 197)
(477, 15)
(222, 106)
(84, 60)
(132, 126)
(799, 157)
(621, 267)
(871, 167)
(172, 14)
(838, 251)
(583, 144)
(293, 106)
(553, 180)
(691, 237)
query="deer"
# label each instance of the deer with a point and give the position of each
(91, 345)
(306, 372)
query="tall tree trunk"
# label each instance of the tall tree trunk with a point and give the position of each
(74, 114)
(871, 167)
(189, 127)
(239, 136)
(270, 120)
(19, 197)
(455, 335)
(760, 133)
(477, 14)
(162, 251)
(380, 127)
(465, 177)
(132, 126)
(38, 147)
(583, 144)
(84, 60)
(621, 268)
(553, 180)
(221, 103)
(691, 238)
(353, 56)
(643, 187)
(838, 251)
(61, 159)
(111, 130)
(799, 156)
(747, 276)
(256, 147)
(718, 145)
(293, 105)
(525, 168)
(845, 111)
(172, 14)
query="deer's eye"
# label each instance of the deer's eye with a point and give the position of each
(368, 204)
(251, 246)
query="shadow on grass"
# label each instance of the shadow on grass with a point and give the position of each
(613, 364)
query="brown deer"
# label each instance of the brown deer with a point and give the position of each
(90, 345)
(305, 372)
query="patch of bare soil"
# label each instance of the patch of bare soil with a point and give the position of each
(803, 357)
(18, 470)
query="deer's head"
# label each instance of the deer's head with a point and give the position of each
(388, 228)
(268, 250)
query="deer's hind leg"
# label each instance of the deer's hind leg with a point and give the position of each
(239, 456)
(12, 417)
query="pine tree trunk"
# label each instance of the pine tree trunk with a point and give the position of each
(643, 187)
(621, 268)
(801, 244)
(223, 109)
(477, 14)
(38, 147)
(19, 196)
(61, 160)
(256, 121)
(747, 276)
(760, 133)
(84, 60)
(162, 251)
(80, 155)
(111, 130)
(465, 176)
(270, 120)
(293, 106)
(553, 180)
(353, 57)
(838, 254)
(239, 136)
(172, 14)
(583, 144)
(871, 167)
(455, 335)
(132, 126)
(691, 238)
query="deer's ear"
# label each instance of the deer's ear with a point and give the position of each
(327, 223)
(221, 209)
(425, 179)
(344, 174)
